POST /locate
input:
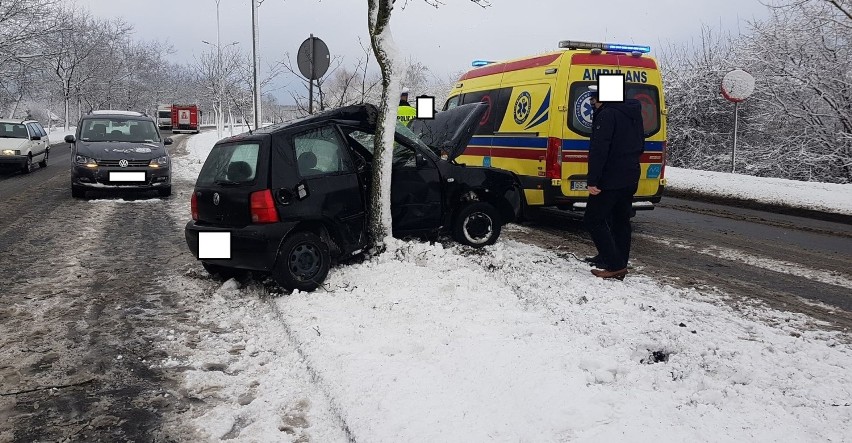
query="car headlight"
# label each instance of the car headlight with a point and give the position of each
(159, 162)
(11, 152)
(85, 161)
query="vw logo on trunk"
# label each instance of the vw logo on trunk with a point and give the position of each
(216, 198)
(123, 163)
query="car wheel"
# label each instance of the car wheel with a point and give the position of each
(303, 262)
(477, 224)
(77, 192)
(165, 192)
(224, 272)
(43, 162)
(28, 166)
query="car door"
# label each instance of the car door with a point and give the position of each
(36, 146)
(415, 183)
(329, 183)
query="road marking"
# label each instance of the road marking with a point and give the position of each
(771, 264)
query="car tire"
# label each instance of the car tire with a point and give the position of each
(303, 262)
(224, 272)
(477, 224)
(78, 192)
(28, 166)
(165, 192)
(43, 162)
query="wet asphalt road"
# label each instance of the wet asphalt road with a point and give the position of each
(85, 303)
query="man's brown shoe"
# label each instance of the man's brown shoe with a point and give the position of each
(603, 273)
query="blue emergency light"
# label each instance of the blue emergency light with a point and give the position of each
(481, 63)
(626, 48)
(616, 47)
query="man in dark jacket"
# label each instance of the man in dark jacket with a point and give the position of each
(617, 142)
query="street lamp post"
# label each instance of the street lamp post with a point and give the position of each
(254, 32)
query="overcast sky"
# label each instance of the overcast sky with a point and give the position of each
(446, 39)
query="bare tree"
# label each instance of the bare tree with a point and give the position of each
(22, 43)
(385, 51)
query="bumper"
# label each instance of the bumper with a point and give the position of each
(98, 178)
(13, 160)
(253, 247)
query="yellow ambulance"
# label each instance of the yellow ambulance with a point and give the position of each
(540, 118)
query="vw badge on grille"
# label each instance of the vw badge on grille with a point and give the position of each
(123, 163)
(216, 198)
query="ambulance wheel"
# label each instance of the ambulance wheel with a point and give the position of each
(477, 224)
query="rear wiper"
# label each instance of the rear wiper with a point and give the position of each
(226, 183)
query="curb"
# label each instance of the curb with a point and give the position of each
(760, 206)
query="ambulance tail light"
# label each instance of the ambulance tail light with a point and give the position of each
(663, 166)
(553, 159)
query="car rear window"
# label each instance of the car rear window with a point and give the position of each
(230, 164)
(580, 117)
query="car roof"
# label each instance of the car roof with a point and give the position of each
(364, 113)
(17, 122)
(124, 115)
(117, 112)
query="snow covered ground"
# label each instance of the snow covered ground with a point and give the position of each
(826, 197)
(57, 135)
(511, 343)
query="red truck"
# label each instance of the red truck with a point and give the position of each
(185, 118)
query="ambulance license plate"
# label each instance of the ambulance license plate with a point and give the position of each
(578, 185)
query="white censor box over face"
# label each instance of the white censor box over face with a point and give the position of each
(737, 86)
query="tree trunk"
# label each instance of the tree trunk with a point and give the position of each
(379, 13)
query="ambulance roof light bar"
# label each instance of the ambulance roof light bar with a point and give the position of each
(617, 47)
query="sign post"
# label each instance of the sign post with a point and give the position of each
(313, 61)
(737, 86)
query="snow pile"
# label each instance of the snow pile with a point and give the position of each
(828, 197)
(57, 135)
(198, 146)
(428, 343)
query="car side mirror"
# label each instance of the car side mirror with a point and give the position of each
(167, 141)
(419, 160)
(36, 138)
(70, 138)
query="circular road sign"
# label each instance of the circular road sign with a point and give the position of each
(320, 56)
(737, 85)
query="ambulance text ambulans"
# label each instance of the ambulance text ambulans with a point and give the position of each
(540, 118)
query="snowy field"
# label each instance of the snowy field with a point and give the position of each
(513, 343)
(826, 197)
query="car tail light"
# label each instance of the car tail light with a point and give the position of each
(553, 160)
(263, 207)
(665, 154)
(194, 206)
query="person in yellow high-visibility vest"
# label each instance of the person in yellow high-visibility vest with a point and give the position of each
(406, 113)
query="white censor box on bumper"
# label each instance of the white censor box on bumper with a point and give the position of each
(214, 245)
(134, 176)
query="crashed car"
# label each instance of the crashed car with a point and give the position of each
(286, 199)
(119, 151)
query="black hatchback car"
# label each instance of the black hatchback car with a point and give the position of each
(288, 198)
(119, 151)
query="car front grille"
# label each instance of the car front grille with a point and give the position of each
(130, 163)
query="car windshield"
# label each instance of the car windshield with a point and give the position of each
(402, 131)
(118, 130)
(13, 130)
